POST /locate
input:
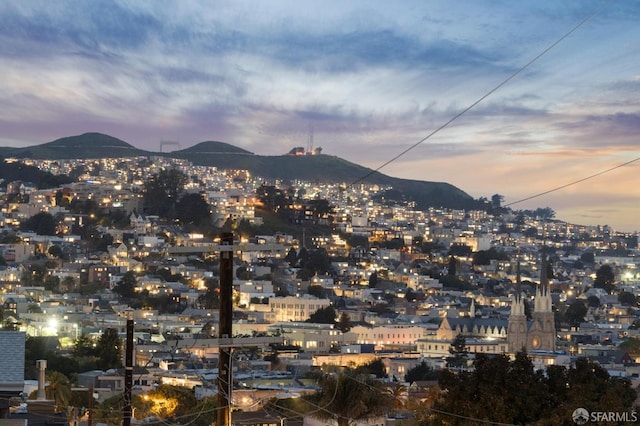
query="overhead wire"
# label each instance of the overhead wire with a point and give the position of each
(540, 194)
(442, 127)
(486, 95)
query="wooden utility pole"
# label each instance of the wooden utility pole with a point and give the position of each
(90, 408)
(128, 375)
(225, 330)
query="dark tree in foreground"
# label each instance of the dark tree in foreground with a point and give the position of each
(375, 367)
(500, 390)
(349, 396)
(420, 372)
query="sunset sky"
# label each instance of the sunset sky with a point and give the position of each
(372, 78)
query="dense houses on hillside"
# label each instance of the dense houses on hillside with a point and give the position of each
(394, 299)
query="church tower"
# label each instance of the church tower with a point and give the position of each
(517, 327)
(542, 333)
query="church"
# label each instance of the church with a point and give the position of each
(511, 335)
(539, 333)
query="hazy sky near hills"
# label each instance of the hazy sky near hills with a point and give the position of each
(371, 78)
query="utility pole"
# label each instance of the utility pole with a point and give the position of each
(225, 331)
(90, 408)
(128, 374)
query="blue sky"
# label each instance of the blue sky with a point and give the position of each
(371, 78)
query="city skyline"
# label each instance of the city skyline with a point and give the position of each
(370, 78)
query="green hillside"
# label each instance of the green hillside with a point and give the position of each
(211, 148)
(313, 168)
(87, 145)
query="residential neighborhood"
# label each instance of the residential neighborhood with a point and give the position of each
(350, 281)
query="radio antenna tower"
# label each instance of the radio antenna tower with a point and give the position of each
(310, 140)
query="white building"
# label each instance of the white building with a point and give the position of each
(389, 335)
(293, 308)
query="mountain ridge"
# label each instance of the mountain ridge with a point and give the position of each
(224, 156)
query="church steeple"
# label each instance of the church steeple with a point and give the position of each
(517, 306)
(517, 328)
(543, 295)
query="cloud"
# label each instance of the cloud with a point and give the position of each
(371, 78)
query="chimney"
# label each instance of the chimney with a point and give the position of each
(41, 405)
(42, 366)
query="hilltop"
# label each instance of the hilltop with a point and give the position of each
(87, 145)
(314, 168)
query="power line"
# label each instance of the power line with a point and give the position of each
(486, 95)
(573, 183)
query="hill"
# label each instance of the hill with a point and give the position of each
(87, 145)
(313, 168)
(211, 148)
(18, 171)
(326, 168)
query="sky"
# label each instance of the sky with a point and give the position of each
(368, 80)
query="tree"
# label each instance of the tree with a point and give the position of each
(41, 223)
(171, 402)
(375, 367)
(575, 313)
(319, 262)
(303, 256)
(452, 266)
(320, 207)
(317, 291)
(211, 298)
(631, 345)
(344, 322)
(126, 286)
(484, 257)
(83, 347)
(460, 250)
(323, 316)
(193, 209)
(499, 390)
(243, 273)
(273, 198)
(605, 278)
(373, 279)
(52, 283)
(593, 301)
(420, 372)
(588, 257)
(58, 389)
(292, 257)
(161, 192)
(458, 351)
(55, 251)
(627, 298)
(109, 349)
(349, 396)
(410, 295)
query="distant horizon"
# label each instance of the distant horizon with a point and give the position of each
(364, 80)
(557, 216)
